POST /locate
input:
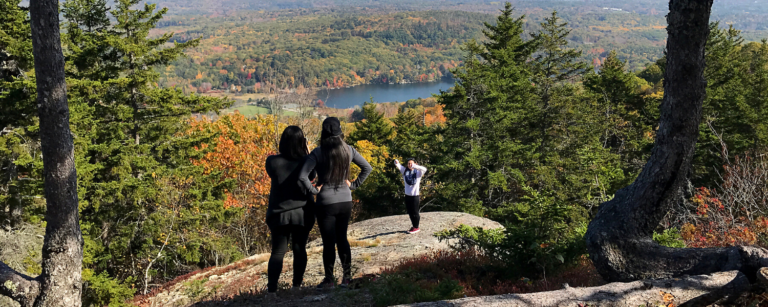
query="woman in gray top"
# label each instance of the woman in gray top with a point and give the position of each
(289, 213)
(334, 195)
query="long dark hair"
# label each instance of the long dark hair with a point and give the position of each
(293, 144)
(335, 159)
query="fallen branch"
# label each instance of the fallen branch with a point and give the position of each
(688, 291)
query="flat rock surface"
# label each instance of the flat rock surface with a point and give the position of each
(376, 244)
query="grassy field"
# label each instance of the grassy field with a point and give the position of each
(250, 111)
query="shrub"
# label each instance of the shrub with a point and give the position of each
(435, 276)
(195, 288)
(539, 242)
(669, 238)
(103, 290)
(395, 289)
(734, 213)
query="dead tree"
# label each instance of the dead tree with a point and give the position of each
(60, 282)
(619, 238)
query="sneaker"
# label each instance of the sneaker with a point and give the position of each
(345, 282)
(413, 230)
(328, 283)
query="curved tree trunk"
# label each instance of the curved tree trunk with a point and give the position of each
(60, 282)
(619, 238)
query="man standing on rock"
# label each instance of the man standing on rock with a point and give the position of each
(412, 174)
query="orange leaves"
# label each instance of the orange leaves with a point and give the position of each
(434, 115)
(667, 298)
(240, 149)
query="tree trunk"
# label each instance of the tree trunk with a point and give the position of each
(60, 282)
(619, 238)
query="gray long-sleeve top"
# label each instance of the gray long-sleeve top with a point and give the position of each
(332, 194)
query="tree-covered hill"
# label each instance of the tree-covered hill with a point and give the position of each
(346, 42)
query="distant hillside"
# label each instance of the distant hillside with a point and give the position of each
(337, 43)
(745, 14)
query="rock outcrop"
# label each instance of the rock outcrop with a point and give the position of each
(376, 244)
(700, 290)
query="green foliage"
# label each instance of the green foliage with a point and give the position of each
(734, 109)
(670, 238)
(103, 290)
(374, 127)
(539, 238)
(488, 115)
(629, 119)
(403, 288)
(32, 264)
(195, 288)
(15, 34)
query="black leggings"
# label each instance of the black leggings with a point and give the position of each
(333, 221)
(412, 205)
(280, 235)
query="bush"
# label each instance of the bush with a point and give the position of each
(669, 238)
(540, 241)
(450, 274)
(395, 289)
(103, 290)
(734, 213)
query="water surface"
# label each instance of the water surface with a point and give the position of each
(343, 98)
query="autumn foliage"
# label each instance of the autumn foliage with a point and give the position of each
(239, 148)
(735, 212)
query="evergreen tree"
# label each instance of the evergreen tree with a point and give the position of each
(132, 164)
(411, 136)
(628, 119)
(488, 142)
(19, 139)
(374, 128)
(554, 62)
(735, 104)
(555, 68)
(90, 55)
(16, 107)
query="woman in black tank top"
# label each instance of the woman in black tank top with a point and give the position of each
(289, 214)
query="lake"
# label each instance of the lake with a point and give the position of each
(343, 98)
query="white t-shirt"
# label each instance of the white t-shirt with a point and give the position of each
(412, 190)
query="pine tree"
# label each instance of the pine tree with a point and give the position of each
(734, 108)
(411, 136)
(89, 56)
(555, 62)
(16, 107)
(374, 128)
(19, 139)
(628, 118)
(488, 141)
(132, 162)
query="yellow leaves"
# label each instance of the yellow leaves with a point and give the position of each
(687, 231)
